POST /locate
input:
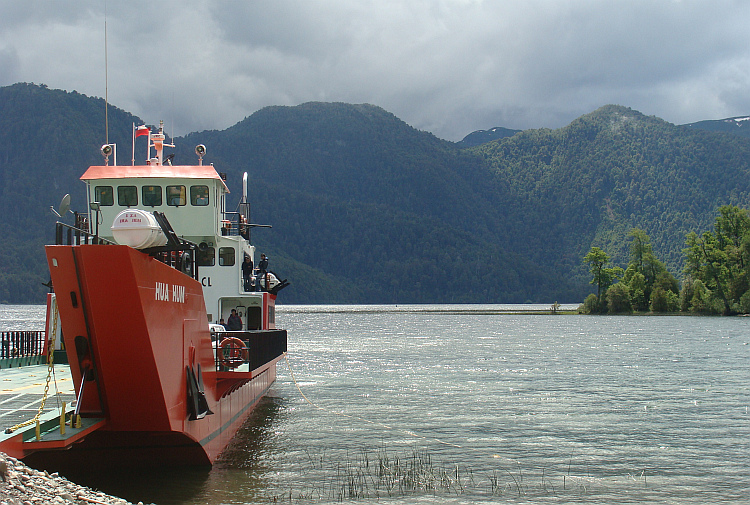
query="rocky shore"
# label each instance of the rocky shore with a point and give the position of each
(21, 485)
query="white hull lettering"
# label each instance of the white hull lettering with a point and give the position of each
(206, 282)
(178, 293)
(162, 293)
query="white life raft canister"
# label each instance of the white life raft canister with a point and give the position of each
(138, 229)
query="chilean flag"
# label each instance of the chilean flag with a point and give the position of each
(142, 130)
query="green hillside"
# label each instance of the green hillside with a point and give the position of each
(380, 211)
(366, 209)
(615, 169)
(48, 138)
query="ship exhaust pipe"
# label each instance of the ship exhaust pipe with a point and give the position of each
(244, 190)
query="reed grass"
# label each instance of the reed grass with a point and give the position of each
(382, 473)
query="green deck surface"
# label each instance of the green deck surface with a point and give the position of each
(22, 388)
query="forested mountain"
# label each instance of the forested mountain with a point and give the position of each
(380, 211)
(47, 139)
(366, 209)
(615, 169)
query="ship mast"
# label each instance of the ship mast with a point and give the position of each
(156, 140)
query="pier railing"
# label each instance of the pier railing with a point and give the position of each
(21, 348)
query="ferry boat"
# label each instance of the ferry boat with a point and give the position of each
(137, 307)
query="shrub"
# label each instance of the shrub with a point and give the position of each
(591, 304)
(658, 300)
(618, 299)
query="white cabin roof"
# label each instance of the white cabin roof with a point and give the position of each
(152, 171)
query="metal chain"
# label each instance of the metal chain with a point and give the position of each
(50, 369)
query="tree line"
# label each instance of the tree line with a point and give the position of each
(715, 279)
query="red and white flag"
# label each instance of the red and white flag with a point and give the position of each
(142, 130)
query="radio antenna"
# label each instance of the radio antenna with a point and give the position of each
(106, 81)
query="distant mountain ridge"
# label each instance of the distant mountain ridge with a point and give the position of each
(367, 209)
(739, 125)
(483, 136)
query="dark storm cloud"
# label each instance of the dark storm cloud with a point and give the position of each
(449, 67)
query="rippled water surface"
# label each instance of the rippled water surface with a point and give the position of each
(466, 404)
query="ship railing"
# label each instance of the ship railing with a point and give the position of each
(236, 224)
(66, 234)
(182, 260)
(22, 348)
(181, 257)
(178, 252)
(245, 351)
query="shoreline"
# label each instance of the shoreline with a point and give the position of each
(21, 484)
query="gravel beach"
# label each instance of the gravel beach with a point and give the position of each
(21, 485)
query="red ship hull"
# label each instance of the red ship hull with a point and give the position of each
(135, 333)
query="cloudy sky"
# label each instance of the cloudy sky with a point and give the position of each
(446, 66)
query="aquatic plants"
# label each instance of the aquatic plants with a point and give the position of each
(387, 473)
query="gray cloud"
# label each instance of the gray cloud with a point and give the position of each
(446, 66)
(9, 63)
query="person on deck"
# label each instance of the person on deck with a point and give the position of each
(262, 270)
(263, 264)
(247, 272)
(235, 322)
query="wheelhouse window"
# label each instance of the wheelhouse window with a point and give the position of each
(127, 196)
(151, 195)
(199, 195)
(226, 256)
(105, 195)
(176, 196)
(206, 257)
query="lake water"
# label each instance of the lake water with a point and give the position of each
(466, 404)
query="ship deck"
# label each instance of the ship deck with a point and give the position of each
(22, 389)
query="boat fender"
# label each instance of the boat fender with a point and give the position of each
(233, 352)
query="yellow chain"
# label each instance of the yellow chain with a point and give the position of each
(50, 367)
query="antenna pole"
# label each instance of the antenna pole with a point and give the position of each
(106, 81)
